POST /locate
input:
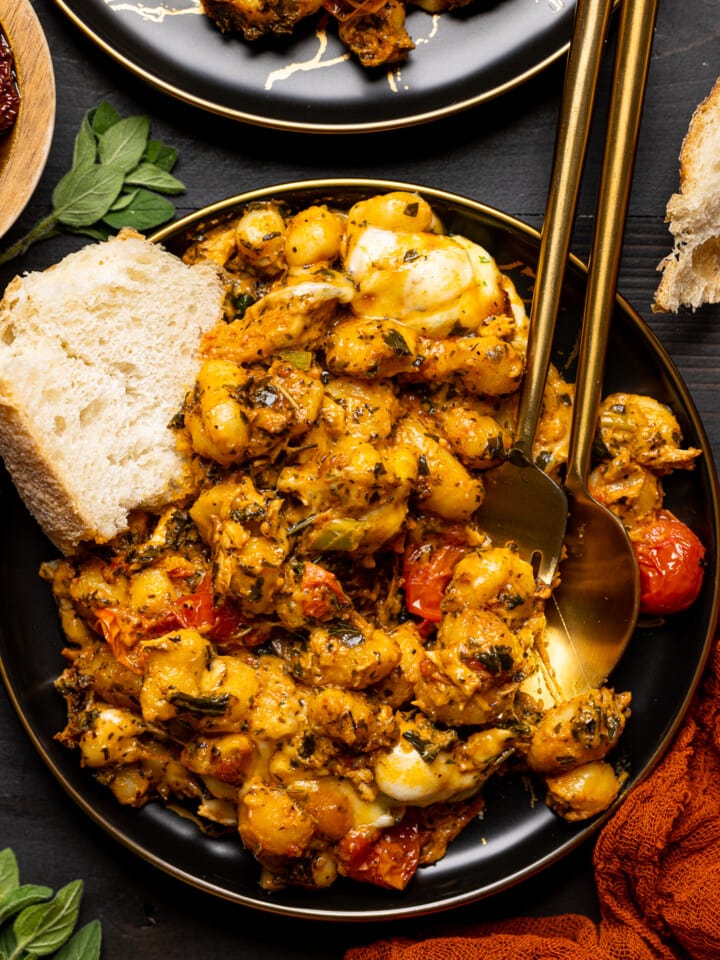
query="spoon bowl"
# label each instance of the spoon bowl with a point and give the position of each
(523, 506)
(593, 612)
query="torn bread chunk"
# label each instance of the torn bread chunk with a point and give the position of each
(691, 273)
(96, 356)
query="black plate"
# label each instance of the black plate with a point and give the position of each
(517, 837)
(461, 58)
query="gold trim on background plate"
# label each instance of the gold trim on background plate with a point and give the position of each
(309, 83)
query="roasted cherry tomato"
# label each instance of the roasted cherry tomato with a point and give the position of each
(670, 558)
(322, 594)
(388, 859)
(198, 610)
(123, 630)
(426, 570)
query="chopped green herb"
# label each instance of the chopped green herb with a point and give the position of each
(397, 343)
(201, 706)
(240, 302)
(497, 659)
(426, 748)
(346, 633)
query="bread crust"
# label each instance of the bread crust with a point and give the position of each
(691, 272)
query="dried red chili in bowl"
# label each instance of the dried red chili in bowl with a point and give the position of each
(9, 94)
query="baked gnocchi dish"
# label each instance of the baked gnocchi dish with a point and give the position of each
(321, 650)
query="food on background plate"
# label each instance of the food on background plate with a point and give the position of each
(372, 30)
(691, 272)
(318, 647)
(9, 93)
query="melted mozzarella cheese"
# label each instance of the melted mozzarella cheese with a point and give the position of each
(433, 283)
(406, 777)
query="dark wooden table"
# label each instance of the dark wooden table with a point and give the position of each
(498, 153)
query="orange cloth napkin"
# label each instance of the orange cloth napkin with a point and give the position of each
(657, 870)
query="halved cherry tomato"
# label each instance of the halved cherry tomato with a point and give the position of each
(122, 632)
(199, 610)
(322, 593)
(426, 570)
(123, 629)
(389, 859)
(670, 558)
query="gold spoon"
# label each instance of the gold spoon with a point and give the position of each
(522, 504)
(595, 607)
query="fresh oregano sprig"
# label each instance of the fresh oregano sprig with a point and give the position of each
(34, 922)
(118, 178)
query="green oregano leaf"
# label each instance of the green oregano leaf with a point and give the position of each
(160, 155)
(9, 873)
(34, 923)
(147, 210)
(22, 897)
(85, 195)
(8, 943)
(99, 232)
(117, 179)
(154, 178)
(85, 150)
(42, 929)
(124, 200)
(84, 944)
(123, 144)
(103, 117)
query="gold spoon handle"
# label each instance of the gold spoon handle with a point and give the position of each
(632, 60)
(581, 75)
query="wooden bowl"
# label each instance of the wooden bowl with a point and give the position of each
(24, 150)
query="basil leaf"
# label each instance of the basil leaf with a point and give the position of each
(123, 144)
(44, 928)
(147, 210)
(164, 157)
(85, 150)
(103, 117)
(22, 897)
(83, 945)
(9, 873)
(85, 195)
(152, 177)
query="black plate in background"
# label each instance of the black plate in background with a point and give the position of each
(461, 59)
(517, 837)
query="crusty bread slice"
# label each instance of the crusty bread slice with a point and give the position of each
(96, 355)
(691, 273)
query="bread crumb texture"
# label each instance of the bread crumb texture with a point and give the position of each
(96, 355)
(691, 272)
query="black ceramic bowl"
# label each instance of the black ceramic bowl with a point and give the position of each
(517, 837)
